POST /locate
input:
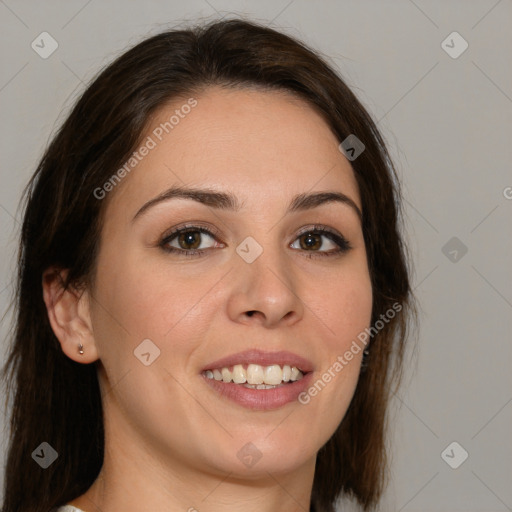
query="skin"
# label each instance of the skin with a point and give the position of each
(171, 441)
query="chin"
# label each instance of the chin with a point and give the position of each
(256, 455)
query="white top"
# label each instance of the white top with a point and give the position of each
(68, 508)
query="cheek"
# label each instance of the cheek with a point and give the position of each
(141, 302)
(146, 302)
(354, 310)
(345, 308)
(137, 303)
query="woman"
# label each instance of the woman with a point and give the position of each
(212, 291)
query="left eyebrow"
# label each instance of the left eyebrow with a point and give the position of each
(228, 201)
(309, 201)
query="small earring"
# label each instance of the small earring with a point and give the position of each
(364, 362)
(80, 349)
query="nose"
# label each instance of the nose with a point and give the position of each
(265, 291)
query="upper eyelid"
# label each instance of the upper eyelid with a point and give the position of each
(320, 228)
(191, 227)
(214, 233)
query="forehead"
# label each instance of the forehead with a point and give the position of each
(259, 145)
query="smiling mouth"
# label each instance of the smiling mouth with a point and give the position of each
(255, 376)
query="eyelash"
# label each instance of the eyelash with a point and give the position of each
(340, 240)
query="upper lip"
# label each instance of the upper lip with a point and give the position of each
(262, 358)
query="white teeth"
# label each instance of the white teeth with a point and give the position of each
(260, 386)
(256, 376)
(226, 375)
(239, 375)
(295, 373)
(273, 375)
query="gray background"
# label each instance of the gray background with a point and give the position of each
(447, 122)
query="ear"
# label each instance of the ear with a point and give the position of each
(69, 315)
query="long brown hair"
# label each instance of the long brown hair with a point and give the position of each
(57, 400)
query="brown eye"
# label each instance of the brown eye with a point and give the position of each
(320, 241)
(310, 241)
(188, 241)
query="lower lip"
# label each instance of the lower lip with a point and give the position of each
(261, 399)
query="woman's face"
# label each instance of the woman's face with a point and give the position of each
(265, 279)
